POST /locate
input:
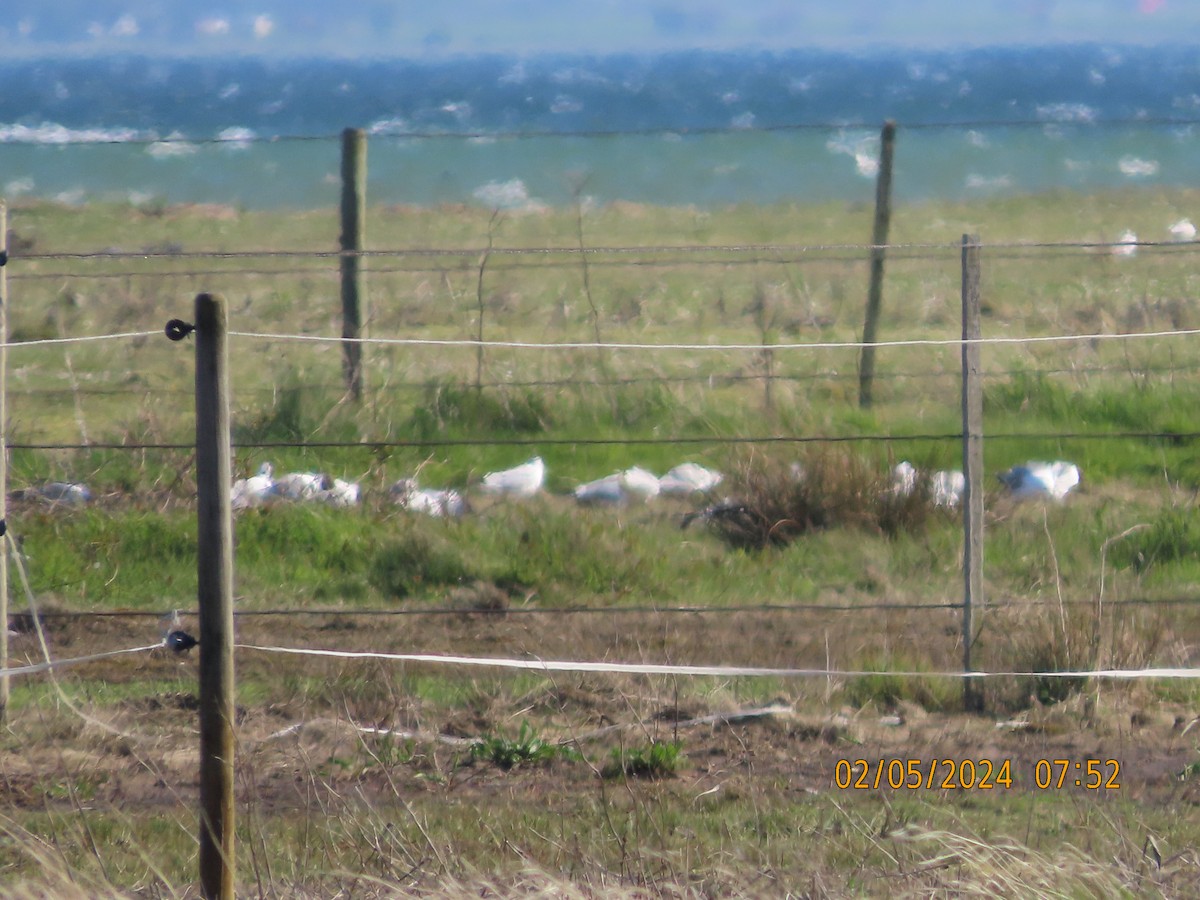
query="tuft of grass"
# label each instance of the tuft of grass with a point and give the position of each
(527, 748)
(889, 691)
(980, 866)
(416, 562)
(781, 500)
(658, 759)
(1173, 537)
(449, 407)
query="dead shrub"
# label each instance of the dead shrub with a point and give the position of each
(779, 500)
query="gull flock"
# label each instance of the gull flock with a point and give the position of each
(520, 482)
(1048, 480)
(1181, 232)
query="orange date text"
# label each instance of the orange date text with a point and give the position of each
(923, 774)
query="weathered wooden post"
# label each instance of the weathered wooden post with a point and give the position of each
(215, 596)
(879, 239)
(3, 460)
(972, 421)
(354, 217)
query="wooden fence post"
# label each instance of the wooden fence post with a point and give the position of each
(3, 460)
(354, 215)
(972, 421)
(215, 596)
(879, 238)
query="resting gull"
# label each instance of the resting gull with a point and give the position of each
(1041, 479)
(524, 480)
(438, 502)
(689, 478)
(252, 491)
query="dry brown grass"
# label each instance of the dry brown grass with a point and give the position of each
(776, 501)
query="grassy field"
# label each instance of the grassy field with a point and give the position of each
(374, 777)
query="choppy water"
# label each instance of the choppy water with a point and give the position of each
(700, 128)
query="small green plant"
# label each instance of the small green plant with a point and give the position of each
(452, 406)
(392, 752)
(527, 747)
(1172, 538)
(1190, 771)
(658, 759)
(415, 562)
(887, 690)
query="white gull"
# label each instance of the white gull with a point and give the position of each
(1034, 479)
(342, 493)
(252, 491)
(688, 478)
(524, 480)
(438, 502)
(300, 485)
(1183, 230)
(1126, 244)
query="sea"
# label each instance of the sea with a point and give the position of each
(699, 128)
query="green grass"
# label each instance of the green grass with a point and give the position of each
(527, 748)
(658, 759)
(406, 811)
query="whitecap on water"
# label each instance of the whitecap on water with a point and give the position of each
(511, 194)
(988, 183)
(53, 133)
(18, 186)
(170, 148)
(460, 109)
(515, 75)
(565, 104)
(236, 138)
(866, 164)
(1067, 112)
(863, 147)
(388, 126)
(73, 197)
(1136, 167)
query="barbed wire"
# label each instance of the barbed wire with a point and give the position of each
(778, 252)
(467, 261)
(562, 346)
(633, 610)
(759, 347)
(428, 384)
(376, 446)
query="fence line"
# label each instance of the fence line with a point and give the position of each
(49, 664)
(555, 665)
(468, 265)
(78, 339)
(756, 348)
(703, 378)
(434, 611)
(712, 378)
(622, 345)
(471, 254)
(392, 444)
(550, 665)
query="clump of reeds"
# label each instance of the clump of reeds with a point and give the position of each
(779, 500)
